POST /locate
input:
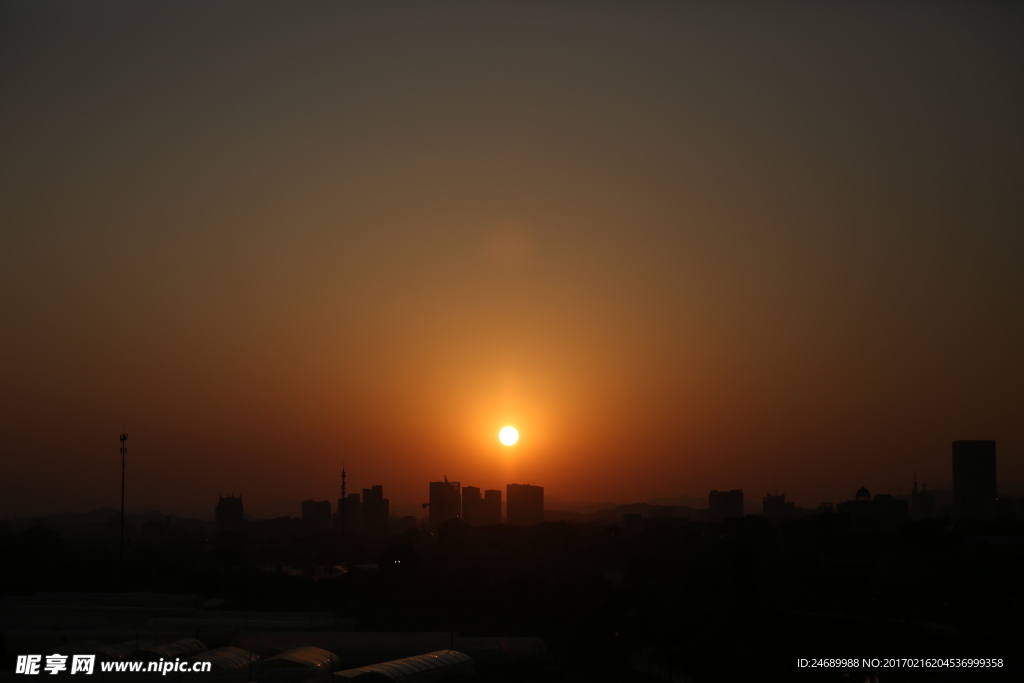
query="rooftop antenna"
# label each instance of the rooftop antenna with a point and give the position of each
(124, 451)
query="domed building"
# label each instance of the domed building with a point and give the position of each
(882, 508)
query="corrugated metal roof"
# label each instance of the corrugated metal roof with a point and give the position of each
(227, 658)
(424, 668)
(180, 648)
(307, 657)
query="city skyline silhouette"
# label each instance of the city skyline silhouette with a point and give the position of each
(771, 248)
(630, 341)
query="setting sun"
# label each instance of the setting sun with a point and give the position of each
(508, 436)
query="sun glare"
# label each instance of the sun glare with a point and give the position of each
(508, 435)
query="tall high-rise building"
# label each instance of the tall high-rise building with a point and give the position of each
(350, 515)
(375, 511)
(724, 505)
(490, 508)
(339, 516)
(776, 508)
(525, 504)
(445, 501)
(974, 478)
(472, 505)
(229, 514)
(316, 515)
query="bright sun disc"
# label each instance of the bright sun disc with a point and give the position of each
(508, 436)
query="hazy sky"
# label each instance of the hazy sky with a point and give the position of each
(680, 246)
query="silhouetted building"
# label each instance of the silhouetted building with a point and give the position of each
(883, 508)
(860, 506)
(445, 501)
(825, 509)
(490, 510)
(375, 511)
(525, 504)
(351, 515)
(724, 505)
(339, 516)
(777, 509)
(229, 514)
(974, 478)
(400, 524)
(472, 505)
(316, 515)
(922, 503)
(889, 509)
(1010, 507)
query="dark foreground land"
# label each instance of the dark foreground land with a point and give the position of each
(670, 600)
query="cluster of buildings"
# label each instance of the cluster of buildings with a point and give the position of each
(369, 513)
(974, 494)
(449, 500)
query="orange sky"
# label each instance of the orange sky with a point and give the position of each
(679, 249)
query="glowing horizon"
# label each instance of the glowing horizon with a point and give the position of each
(679, 248)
